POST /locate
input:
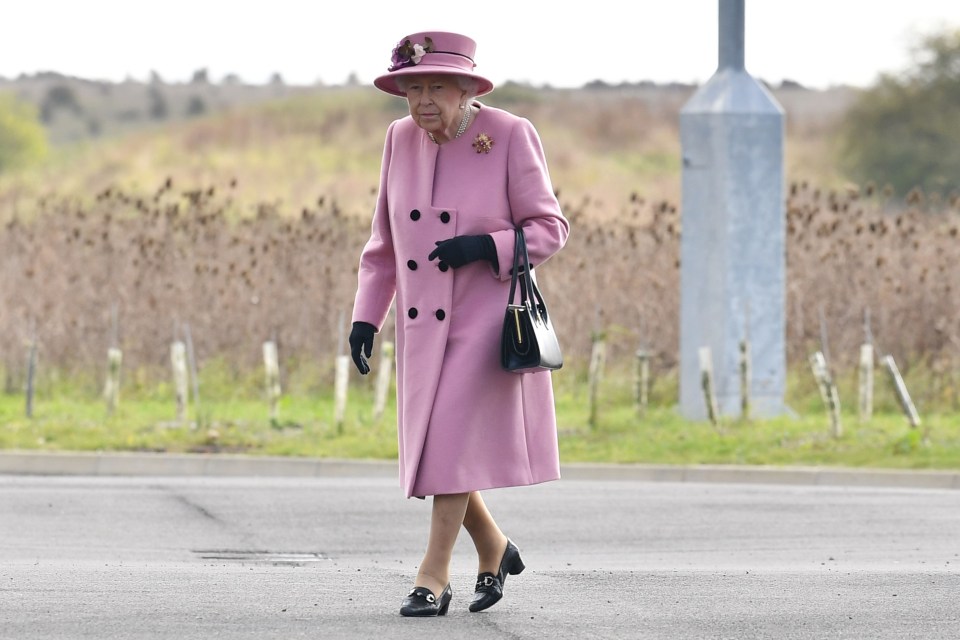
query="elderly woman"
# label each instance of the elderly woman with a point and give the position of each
(457, 178)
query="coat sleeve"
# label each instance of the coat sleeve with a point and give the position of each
(533, 204)
(377, 274)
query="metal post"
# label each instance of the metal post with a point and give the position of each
(731, 40)
(733, 247)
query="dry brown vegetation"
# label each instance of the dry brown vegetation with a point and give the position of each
(176, 256)
(169, 257)
(242, 264)
(852, 254)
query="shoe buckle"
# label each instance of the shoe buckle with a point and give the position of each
(431, 598)
(488, 581)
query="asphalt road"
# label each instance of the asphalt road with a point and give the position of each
(162, 557)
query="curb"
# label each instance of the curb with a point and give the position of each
(185, 464)
(736, 474)
(227, 465)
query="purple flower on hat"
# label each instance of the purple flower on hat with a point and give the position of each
(407, 54)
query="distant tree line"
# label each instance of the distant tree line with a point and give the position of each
(63, 98)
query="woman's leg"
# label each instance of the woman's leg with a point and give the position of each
(445, 521)
(487, 537)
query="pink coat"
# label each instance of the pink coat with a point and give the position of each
(464, 424)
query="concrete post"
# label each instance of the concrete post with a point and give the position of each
(733, 255)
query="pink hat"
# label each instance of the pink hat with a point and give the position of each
(432, 52)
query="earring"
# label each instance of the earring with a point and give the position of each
(461, 107)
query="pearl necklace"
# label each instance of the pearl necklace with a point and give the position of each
(464, 121)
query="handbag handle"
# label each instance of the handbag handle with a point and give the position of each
(513, 271)
(521, 269)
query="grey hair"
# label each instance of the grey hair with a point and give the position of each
(466, 83)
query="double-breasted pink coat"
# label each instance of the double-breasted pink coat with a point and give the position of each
(464, 424)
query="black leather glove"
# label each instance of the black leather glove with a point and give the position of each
(361, 345)
(461, 250)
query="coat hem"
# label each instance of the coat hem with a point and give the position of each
(487, 487)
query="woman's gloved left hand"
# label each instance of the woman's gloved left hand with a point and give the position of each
(461, 250)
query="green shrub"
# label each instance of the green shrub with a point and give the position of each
(23, 140)
(905, 130)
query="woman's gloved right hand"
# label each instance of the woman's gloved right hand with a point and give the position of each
(361, 345)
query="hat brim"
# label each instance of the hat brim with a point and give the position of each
(388, 81)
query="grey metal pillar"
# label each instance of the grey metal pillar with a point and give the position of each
(733, 260)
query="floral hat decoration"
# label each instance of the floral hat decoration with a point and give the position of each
(432, 52)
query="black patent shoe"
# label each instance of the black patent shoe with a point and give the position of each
(421, 602)
(489, 586)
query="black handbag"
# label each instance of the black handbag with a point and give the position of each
(528, 342)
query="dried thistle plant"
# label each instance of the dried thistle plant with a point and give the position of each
(240, 275)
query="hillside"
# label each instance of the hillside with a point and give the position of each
(288, 146)
(75, 109)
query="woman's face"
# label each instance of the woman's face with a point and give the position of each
(434, 102)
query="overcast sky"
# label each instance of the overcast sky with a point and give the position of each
(563, 44)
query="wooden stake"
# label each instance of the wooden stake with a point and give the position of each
(340, 383)
(746, 366)
(866, 383)
(828, 391)
(835, 425)
(178, 360)
(341, 336)
(867, 331)
(598, 356)
(706, 383)
(745, 379)
(271, 366)
(192, 363)
(114, 326)
(902, 394)
(384, 374)
(641, 390)
(111, 392)
(824, 346)
(31, 368)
